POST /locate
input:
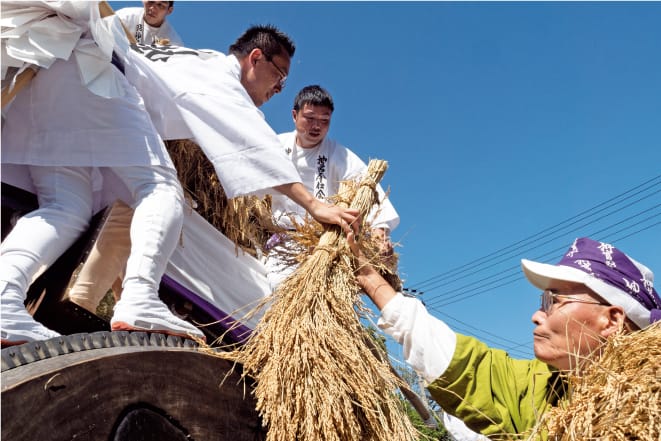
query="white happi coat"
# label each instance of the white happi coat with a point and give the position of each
(133, 19)
(188, 93)
(75, 127)
(198, 94)
(322, 169)
(79, 110)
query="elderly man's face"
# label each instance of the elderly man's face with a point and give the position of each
(572, 328)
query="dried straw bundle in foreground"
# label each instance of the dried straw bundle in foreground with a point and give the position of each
(245, 220)
(316, 377)
(617, 397)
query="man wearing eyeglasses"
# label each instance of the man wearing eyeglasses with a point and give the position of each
(323, 164)
(593, 293)
(264, 62)
(214, 98)
(149, 24)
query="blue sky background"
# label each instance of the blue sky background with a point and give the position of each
(500, 121)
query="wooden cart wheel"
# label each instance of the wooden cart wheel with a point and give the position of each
(123, 386)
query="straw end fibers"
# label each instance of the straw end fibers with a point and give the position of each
(616, 397)
(316, 376)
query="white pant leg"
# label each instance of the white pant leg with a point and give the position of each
(156, 225)
(40, 237)
(155, 229)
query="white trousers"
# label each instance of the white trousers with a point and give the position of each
(65, 209)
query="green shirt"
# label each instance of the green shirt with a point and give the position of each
(493, 393)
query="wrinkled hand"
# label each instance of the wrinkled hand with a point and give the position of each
(370, 281)
(353, 246)
(382, 238)
(364, 267)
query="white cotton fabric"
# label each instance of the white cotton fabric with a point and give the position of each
(458, 429)
(427, 342)
(71, 126)
(204, 97)
(63, 215)
(206, 263)
(37, 33)
(322, 169)
(134, 17)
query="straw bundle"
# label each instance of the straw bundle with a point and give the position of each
(617, 397)
(245, 220)
(301, 242)
(316, 377)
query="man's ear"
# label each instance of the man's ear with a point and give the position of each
(170, 9)
(293, 114)
(614, 320)
(255, 55)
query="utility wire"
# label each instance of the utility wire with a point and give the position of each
(507, 281)
(472, 330)
(491, 263)
(512, 274)
(483, 285)
(470, 266)
(553, 252)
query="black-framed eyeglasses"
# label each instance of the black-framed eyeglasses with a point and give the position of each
(548, 299)
(283, 75)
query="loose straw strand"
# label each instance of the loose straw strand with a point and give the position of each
(316, 379)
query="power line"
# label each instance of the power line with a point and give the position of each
(507, 281)
(513, 345)
(478, 287)
(630, 225)
(636, 232)
(494, 338)
(472, 265)
(490, 263)
(553, 252)
(513, 273)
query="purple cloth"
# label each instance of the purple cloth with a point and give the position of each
(236, 332)
(612, 266)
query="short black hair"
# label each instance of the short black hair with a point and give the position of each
(268, 38)
(170, 4)
(314, 95)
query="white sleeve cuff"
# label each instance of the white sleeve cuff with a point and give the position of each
(428, 343)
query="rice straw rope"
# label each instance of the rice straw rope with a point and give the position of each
(316, 377)
(614, 396)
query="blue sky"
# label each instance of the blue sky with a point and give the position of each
(499, 121)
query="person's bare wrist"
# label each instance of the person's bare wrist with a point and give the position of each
(314, 206)
(364, 268)
(370, 280)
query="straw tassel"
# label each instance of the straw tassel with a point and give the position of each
(316, 377)
(615, 396)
